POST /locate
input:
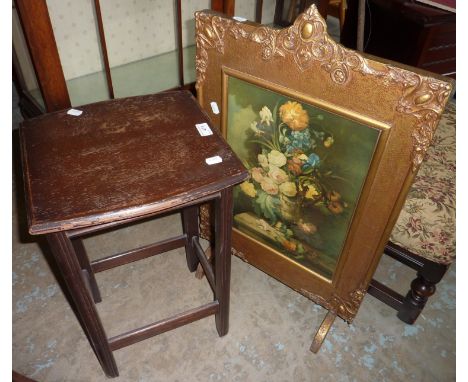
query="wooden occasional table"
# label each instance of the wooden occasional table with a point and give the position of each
(121, 161)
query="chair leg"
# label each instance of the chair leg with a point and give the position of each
(429, 274)
(190, 227)
(222, 259)
(422, 287)
(70, 268)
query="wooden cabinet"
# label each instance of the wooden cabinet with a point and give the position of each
(406, 31)
(50, 47)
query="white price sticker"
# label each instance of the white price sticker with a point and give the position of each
(213, 160)
(75, 112)
(214, 107)
(203, 129)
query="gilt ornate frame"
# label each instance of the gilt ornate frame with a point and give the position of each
(304, 61)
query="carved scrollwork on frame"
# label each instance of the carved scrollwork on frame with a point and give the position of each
(424, 100)
(308, 42)
(345, 308)
(210, 35)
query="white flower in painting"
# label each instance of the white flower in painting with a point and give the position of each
(266, 116)
(263, 160)
(276, 158)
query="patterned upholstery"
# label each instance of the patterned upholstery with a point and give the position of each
(426, 225)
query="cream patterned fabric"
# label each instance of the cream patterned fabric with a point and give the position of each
(426, 225)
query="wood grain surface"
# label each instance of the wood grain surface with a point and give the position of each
(121, 159)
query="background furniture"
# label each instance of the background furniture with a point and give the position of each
(407, 32)
(61, 44)
(122, 161)
(337, 8)
(74, 53)
(287, 11)
(424, 236)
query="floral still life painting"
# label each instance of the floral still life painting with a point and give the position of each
(307, 166)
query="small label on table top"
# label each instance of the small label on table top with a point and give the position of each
(213, 160)
(239, 18)
(203, 129)
(214, 107)
(75, 112)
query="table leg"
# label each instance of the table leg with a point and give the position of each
(190, 227)
(222, 258)
(86, 266)
(69, 266)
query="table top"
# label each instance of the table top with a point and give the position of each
(121, 159)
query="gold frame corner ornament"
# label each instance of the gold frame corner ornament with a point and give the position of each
(346, 308)
(307, 41)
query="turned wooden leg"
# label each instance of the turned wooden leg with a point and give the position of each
(222, 258)
(423, 287)
(70, 268)
(190, 227)
(86, 269)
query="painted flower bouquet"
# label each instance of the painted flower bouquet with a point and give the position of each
(290, 173)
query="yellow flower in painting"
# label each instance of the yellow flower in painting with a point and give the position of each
(288, 189)
(328, 142)
(293, 115)
(312, 192)
(248, 189)
(276, 158)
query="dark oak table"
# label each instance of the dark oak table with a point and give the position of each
(121, 161)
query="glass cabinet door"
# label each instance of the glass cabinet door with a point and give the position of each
(76, 35)
(22, 64)
(141, 45)
(120, 48)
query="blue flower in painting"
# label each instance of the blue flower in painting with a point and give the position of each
(313, 161)
(299, 140)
